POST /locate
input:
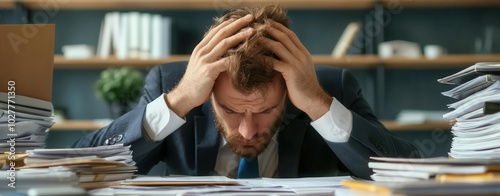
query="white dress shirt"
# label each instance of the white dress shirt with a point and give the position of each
(334, 126)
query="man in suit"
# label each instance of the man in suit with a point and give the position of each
(250, 103)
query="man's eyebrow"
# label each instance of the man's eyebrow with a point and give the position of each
(264, 110)
(269, 108)
(225, 107)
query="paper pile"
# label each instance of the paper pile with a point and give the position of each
(95, 166)
(24, 122)
(440, 169)
(476, 133)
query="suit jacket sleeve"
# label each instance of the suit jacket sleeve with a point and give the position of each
(128, 129)
(368, 136)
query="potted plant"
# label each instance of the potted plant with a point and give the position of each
(119, 87)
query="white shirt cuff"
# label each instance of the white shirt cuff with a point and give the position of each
(336, 124)
(159, 120)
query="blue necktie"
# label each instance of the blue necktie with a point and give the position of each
(249, 168)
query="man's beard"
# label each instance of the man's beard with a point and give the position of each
(234, 138)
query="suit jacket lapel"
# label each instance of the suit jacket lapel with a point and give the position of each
(290, 144)
(207, 140)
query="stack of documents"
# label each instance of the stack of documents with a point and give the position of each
(30, 180)
(440, 169)
(476, 133)
(95, 166)
(24, 122)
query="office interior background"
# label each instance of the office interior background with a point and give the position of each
(389, 86)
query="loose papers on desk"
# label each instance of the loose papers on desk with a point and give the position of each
(94, 166)
(220, 185)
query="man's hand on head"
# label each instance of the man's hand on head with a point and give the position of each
(295, 64)
(205, 65)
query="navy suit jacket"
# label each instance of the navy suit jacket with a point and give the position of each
(192, 149)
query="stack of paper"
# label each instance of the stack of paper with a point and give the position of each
(95, 166)
(33, 179)
(476, 134)
(24, 122)
(439, 169)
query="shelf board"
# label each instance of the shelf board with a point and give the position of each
(354, 62)
(199, 4)
(440, 3)
(7, 4)
(350, 61)
(428, 126)
(73, 125)
(449, 61)
(96, 62)
(78, 125)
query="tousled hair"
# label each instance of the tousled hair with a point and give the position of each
(247, 70)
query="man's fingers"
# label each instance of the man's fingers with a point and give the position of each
(211, 34)
(227, 31)
(223, 46)
(290, 34)
(277, 65)
(278, 49)
(284, 39)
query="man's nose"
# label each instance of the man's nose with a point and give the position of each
(248, 126)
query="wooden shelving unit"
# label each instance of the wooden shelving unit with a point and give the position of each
(78, 125)
(6, 4)
(440, 3)
(353, 62)
(199, 4)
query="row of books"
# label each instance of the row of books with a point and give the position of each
(135, 35)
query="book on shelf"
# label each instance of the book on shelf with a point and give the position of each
(346, 39)
(135, 35)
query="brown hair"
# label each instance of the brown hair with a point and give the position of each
(248, 71)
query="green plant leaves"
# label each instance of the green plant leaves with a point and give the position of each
(119, 85)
